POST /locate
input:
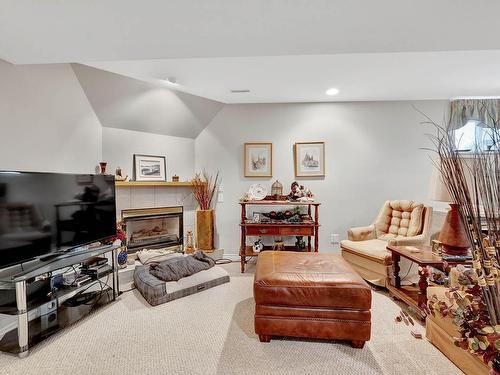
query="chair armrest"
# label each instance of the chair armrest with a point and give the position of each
(361, 233)
(408, 241)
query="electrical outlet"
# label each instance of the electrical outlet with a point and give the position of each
(335, 238)
(220, 197)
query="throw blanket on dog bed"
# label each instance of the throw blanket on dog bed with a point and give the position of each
(176, 268)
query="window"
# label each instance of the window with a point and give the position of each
(473, 137)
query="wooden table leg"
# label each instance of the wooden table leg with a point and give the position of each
(316, 234)
(396, 258)
(243, 243)
(309, 243)
(422, 287)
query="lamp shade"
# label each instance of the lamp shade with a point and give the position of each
(437, 188)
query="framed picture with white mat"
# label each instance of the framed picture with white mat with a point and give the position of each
(150, 168)
(309, 159)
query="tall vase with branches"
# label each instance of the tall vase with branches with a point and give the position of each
(476, 190)
(204, 187)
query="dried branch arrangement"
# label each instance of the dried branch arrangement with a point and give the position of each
(476, 190)
(204, 188)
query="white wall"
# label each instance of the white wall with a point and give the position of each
(372, 153)
(118, 148)
(46, 121)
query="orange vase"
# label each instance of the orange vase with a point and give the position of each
(205, 230)
(453, 235)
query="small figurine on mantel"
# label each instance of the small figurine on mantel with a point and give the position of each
(119, 176)
(299, 193)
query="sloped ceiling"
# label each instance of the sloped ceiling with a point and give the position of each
(128, 103)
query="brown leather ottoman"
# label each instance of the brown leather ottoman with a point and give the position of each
(313, 295)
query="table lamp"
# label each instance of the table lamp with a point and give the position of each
(452, 236)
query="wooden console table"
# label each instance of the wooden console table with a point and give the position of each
(423, 256)
(277, 228)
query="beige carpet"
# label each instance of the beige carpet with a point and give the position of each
(212, 333)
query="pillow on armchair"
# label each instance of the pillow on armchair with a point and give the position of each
(399, 219)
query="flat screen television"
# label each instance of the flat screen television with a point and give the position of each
(43, 213)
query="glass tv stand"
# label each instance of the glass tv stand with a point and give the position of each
(34, 305)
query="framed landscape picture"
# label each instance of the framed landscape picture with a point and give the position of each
(258, 158)
(149, 168)
(309, 158)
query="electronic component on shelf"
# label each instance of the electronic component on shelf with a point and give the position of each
(82, 299)
(82, 280)
(97, 271)
(93, 262)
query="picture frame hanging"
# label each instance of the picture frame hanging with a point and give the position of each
(258, 159)
(150, 168)
(309, 159)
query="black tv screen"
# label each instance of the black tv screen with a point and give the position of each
(41, 213)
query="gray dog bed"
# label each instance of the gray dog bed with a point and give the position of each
(157, 292)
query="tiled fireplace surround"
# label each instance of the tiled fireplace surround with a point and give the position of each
(155, 196)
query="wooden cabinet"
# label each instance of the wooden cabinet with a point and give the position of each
(261, 230)
(308, 228)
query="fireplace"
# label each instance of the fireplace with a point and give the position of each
(153, 228)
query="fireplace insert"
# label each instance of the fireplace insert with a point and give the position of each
(153, 228)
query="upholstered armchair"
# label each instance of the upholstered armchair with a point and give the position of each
(399, 222)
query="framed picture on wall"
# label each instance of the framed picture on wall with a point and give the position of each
(258, 159)
(309, 159)
(150, 168)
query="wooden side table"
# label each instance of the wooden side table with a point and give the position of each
(307, 229)
(423, 256)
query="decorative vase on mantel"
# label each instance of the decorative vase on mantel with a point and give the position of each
(205, 230)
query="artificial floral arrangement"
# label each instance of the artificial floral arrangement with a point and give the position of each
(120, 239)
(204, 188)
(120, 234)
(465, 306)
(475, 308)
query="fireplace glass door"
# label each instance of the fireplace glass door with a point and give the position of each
(153, 231)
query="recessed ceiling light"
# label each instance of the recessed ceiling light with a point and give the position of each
(240, 91)
(332, 91)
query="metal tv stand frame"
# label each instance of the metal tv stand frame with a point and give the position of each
(29, 330)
